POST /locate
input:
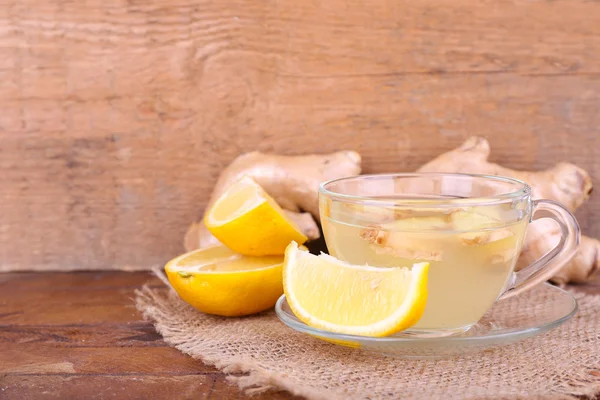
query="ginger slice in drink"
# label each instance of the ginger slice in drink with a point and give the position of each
(473, 225)
(501, 246)
(409, 238)
(486, 232)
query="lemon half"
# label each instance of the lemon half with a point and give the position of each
(217, 280)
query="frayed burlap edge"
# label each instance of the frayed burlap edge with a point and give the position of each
(252, 378)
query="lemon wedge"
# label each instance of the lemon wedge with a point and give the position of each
(217, 280)
(329, 294)
(247, 220)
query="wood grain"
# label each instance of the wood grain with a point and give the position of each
(129, 387)
(140, 387)
(118, 116)
(36, 359)
(60, 307)
(15, 282)
(73, 299)
(94, 358)
(133, 334)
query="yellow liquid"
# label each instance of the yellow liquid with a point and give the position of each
(471, 252)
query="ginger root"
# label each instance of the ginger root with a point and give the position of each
(543, 235)
(565, 183)
(292, 181)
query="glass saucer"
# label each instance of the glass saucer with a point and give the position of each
(529, 314)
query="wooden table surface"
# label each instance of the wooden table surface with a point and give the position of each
(78, 335)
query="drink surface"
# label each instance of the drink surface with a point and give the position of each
(471, 250)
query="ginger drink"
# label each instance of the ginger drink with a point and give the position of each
(472, 252)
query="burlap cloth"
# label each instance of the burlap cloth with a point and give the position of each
(260, 353)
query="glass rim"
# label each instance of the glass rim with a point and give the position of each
(523, 190)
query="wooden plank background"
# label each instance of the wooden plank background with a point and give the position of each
(117, 116)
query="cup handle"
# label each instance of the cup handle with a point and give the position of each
(551, 262)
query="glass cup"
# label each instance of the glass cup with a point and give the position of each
(470, 228)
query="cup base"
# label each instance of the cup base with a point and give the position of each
(434, 333)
